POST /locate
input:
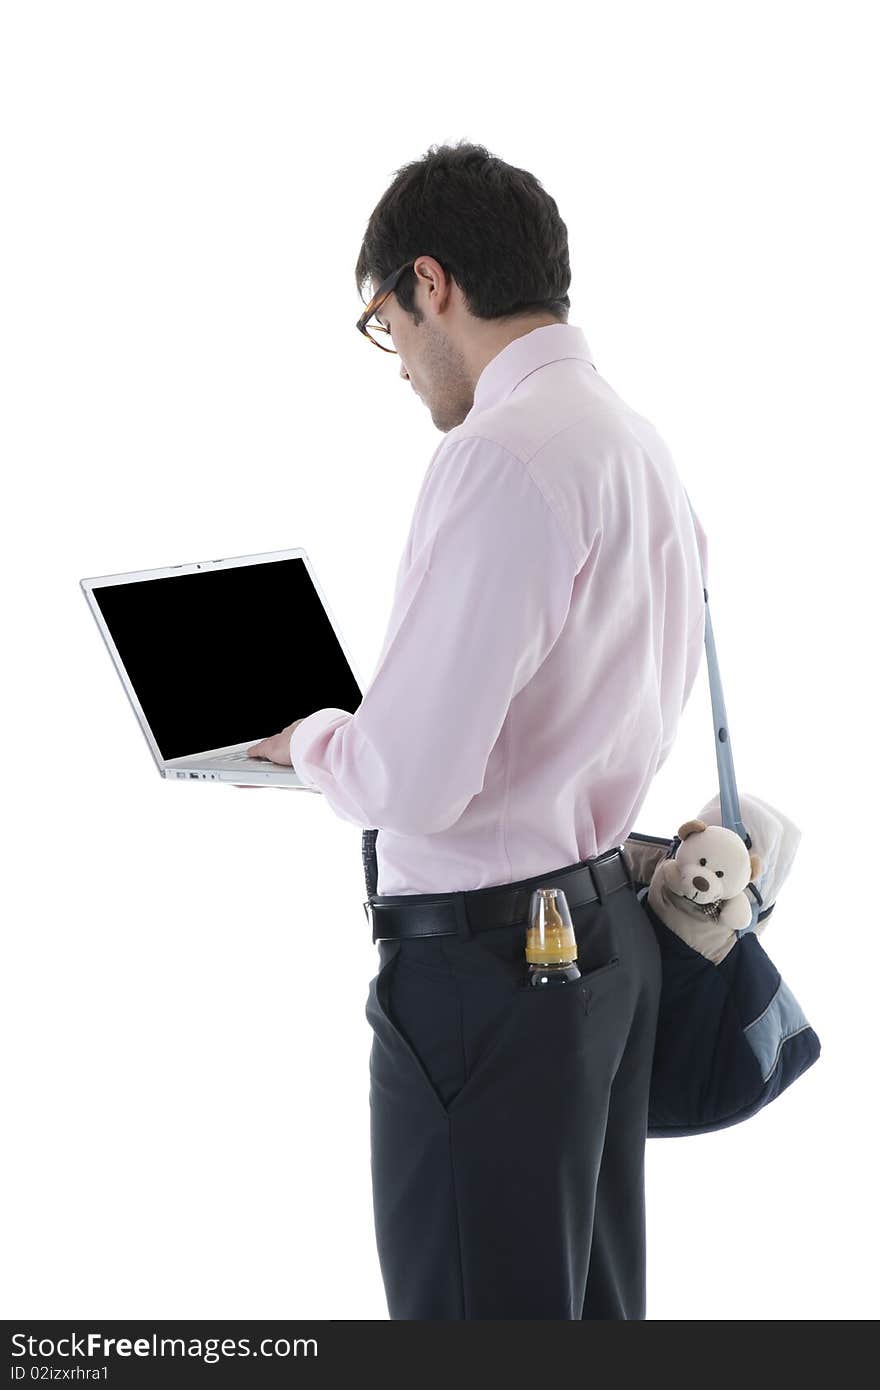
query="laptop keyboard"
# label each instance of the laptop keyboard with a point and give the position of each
(242, 757)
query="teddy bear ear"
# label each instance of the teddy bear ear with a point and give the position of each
(690, 827)
(756, 867)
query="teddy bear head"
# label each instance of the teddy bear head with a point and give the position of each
(713, 862)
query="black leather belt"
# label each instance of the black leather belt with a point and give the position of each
(504, 905)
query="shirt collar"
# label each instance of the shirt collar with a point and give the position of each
(504, 372)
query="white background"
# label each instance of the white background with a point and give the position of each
(185, 967)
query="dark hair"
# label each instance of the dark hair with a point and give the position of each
(491, 226)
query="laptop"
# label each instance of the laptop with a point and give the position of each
(216, 655)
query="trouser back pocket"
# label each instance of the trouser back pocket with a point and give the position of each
(447, 1013)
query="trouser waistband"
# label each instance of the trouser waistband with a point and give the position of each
(481, 909)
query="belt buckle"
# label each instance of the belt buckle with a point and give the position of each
(368, 913)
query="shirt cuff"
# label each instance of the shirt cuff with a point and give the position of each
(305, 734)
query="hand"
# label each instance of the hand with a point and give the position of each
(277, 748)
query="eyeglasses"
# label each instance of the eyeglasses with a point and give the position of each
(387, 286)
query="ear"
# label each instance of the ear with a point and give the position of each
(756, 867)
(690, 827)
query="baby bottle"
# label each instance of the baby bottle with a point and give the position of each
(551, 947)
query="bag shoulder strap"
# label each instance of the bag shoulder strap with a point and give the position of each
(730, 811)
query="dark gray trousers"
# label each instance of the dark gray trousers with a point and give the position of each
(508, 1123)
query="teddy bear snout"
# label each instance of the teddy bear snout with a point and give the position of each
(701, 884)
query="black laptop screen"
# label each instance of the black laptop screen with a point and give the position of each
(221, 656)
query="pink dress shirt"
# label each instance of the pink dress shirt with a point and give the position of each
(546, 630)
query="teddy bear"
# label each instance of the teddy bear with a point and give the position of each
(699, 893)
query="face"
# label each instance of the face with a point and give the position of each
(429, 360)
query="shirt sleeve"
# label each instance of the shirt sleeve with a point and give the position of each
(702, 547)
(481, 604)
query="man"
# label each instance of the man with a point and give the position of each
(546, 631)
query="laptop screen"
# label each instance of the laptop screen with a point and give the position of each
(221, 656)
